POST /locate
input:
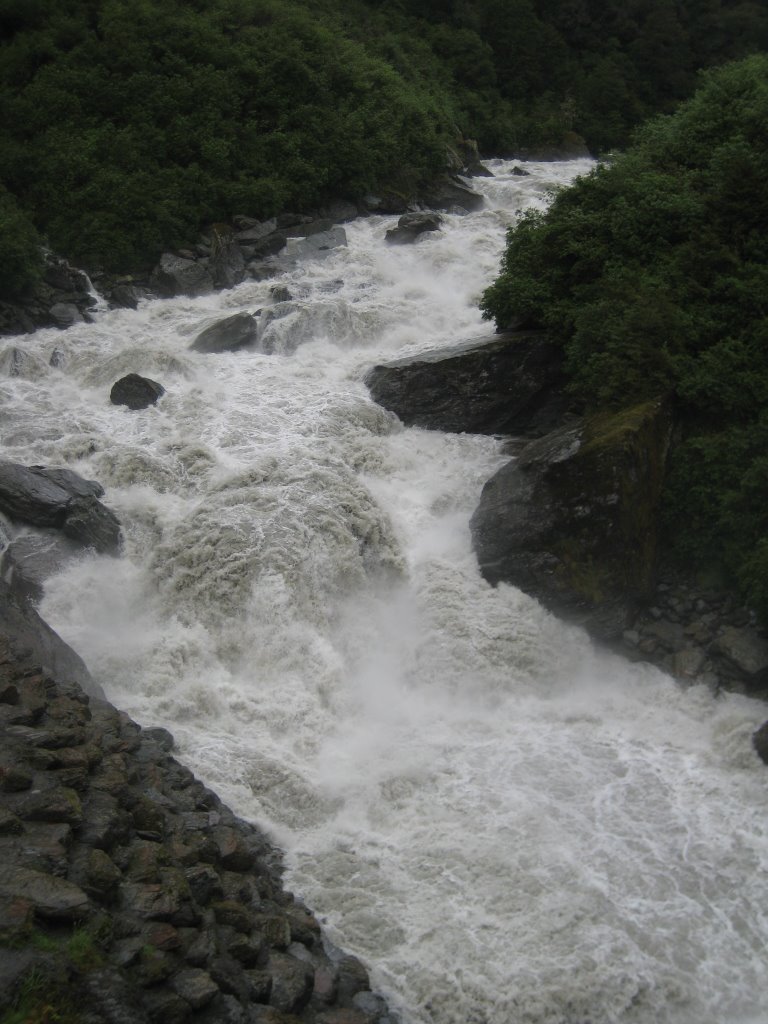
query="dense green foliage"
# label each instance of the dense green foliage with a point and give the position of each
(653, 271)
(21, 247)
(127, 124)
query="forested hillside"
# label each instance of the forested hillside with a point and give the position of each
(653, 274)
(127, 124)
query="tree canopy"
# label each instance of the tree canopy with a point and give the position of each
(653, 273)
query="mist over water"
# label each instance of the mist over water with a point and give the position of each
(506, 825)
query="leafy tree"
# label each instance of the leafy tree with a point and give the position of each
(653, 273)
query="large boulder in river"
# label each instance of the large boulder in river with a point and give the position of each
(135, 391)
(59, 498)
(450, 193)
(411, 225)
(31, 558)
(175, 275)
(510, 383)
(227, 335)
(572, 521)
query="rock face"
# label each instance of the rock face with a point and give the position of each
(228, 335)
(59, 498)
(572, 520)
(508, 383)
(131, 894)
(135, 391)
(411, 225)
(31, 642)
(31, 558)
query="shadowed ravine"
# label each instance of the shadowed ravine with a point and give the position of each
(505, 824)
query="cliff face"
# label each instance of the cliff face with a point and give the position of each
(130, 894)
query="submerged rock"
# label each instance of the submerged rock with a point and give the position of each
(573, 520)
(228, 335)
(760, 742)
(135, 391)
(505, 384)
(30, 559)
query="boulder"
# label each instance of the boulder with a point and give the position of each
(470, 164)
(449, 193)
(340, 211)
(320, 243)
(573, 520)
(251, 231)
(177, 276)
(519, 172)
(64, 314)
(228, 335)
(509, 383)
(17, 362)
(411, 225)
(124, 296)
(745, 651)
(135, 391)
(59, 498)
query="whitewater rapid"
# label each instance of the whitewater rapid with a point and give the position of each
(507, 825)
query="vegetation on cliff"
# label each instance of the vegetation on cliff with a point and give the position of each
(126, 126)
(653, 272)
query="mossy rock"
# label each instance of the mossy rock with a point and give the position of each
(573, 521)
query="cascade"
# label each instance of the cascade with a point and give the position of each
(505, 823)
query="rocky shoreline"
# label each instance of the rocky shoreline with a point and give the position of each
(130, 894)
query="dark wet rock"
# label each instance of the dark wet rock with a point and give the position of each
(468, 161)
(519, 172)
(53, 898)
(411, 226)
(124, 296)
(195, 987)
(512, 383)
(31, 558)
(92, 525)
(135, 391)
(59, 804)
(292, 982)
(251, 231)
(235, 332)
(58, 498)
(352, 979)
(341, 211)
(280, 293)
(177, 276)
(745, 650)
(32, 642)
(450, 193)
(226, 263)
(573, 520)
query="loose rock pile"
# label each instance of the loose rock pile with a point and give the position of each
(129, 894)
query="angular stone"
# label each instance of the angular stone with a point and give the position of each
(292, 982)
(347, 1015)
(14, 779)
(411, 226)
(248, 951)
(204, 884)
(238, 331)
(149, 901)
(177, 276)
(59, 804)
(275, 929)
(195, 986)
(104, 823)
(53, 898)
(233, 852)
(746, 651)
(165, 1007)
(353, 978)
(688, 663)
(102, 874)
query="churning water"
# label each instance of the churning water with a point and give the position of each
(508, 826)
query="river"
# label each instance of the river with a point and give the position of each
(507, 825)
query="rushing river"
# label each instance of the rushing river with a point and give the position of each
(506, 825)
